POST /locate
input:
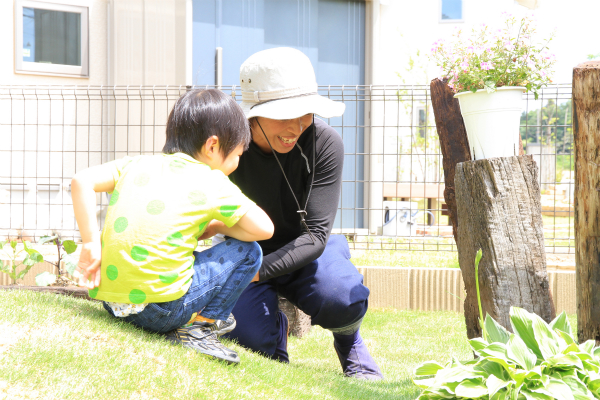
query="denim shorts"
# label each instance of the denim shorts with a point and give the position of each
(221, 273)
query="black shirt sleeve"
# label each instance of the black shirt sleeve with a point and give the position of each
(320, 210)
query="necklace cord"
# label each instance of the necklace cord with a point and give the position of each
(300, 211)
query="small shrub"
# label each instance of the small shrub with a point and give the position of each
(11, 266)
(64, 249)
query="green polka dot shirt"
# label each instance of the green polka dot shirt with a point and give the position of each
(161, 204)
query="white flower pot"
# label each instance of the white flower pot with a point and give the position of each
(492, 121)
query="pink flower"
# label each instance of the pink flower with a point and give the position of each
(486, 65)
(464, 65)
(471, 49)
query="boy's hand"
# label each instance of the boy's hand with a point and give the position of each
(89, 264)
(212, 229)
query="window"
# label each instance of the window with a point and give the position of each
(51, 39)
(451, 11)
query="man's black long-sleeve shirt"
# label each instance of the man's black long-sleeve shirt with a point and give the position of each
(260, 178)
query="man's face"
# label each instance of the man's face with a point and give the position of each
(282, 134)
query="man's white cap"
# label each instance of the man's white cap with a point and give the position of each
(280, 83)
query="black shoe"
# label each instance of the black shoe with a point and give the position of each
(220, 327)
(202, 338)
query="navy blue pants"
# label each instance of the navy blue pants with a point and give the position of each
(329, 290)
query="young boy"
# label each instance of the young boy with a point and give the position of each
(143, 265)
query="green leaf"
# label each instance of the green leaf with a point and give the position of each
(588, 346)
(521, 322)
(13, 244)
(495, 331)
(565, 360)
(535, 395)
(471, 389)
(491, 368)
(562, 323)
(478, 344)
(45, 279)
(559, 389)
(494, 384)
(590, 366)
(46, 239)
(70, 264)
(70, 246)
(567, 338)
(26, 244)
(28, 261)
(35, 256)
(3, 243)
(427, 368)
(579, 389)
(546, 338)
(423, 383)
(455, 374)
(517, 351)
(494, 350)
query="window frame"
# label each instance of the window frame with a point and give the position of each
(451, 21)
(28, 67)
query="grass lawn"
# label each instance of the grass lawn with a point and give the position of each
(399, 258)
(56, 347)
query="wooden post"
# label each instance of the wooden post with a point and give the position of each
(499, 209)
(453, 141)
(586, 131)
(300, 323)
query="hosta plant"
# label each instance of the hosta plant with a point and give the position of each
(488, 58)
(538, 361)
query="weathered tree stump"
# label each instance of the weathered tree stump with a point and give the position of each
(586, 131)
(299, 322)
(453, 141)
(499, 210)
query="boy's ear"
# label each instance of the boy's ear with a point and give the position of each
(211, 146)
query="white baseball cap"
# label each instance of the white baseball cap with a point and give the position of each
(280, 83)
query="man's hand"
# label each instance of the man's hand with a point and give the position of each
(89, 264)
(212, 229)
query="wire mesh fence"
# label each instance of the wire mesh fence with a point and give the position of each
(393, 181)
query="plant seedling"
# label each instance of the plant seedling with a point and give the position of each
(11, 266)
(64, 248)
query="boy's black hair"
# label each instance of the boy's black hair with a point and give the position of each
(200, 114)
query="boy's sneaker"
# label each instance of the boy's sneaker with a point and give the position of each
(220, 327)
(202, 338)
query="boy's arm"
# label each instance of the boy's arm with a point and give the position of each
(255, 225)
(84, 186)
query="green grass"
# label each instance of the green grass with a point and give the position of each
(399, 258)
(59, 347)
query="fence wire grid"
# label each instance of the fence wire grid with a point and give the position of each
(393, 181)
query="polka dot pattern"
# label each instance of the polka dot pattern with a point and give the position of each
(177, 166)
(93, 293)
(137, 296)
(202, 227)
(155, 207)
(142, 179)
(197, 198)
(121, 224)
(113, 198)
(138, 253)
(168, 277)
(228, 211)
(175, 239)
(112, 272)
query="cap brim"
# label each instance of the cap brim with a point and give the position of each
(294, 107)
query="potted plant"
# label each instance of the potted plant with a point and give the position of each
(489, 70)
